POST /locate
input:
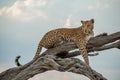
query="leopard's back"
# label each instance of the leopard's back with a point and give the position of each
(57, 36)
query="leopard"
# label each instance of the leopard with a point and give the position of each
(79, 36)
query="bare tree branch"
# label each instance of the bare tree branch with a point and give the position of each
(60, 59)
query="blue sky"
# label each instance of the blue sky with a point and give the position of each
(24, 22)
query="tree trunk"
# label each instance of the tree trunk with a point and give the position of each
(60, 59)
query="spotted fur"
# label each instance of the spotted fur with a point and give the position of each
(79, 36)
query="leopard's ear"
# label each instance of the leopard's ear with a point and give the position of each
(82, 21)
(92, 20)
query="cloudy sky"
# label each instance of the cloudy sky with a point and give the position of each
(24, 22)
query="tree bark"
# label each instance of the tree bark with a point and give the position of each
(59, 58)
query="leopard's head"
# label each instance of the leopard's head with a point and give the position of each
(87, 26)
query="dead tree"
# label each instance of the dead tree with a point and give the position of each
(60, 59)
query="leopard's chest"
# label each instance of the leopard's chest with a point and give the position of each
(89, 36)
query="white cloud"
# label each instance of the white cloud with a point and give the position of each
(55, 75)
(25, 10)
(34, 3)
(67, 23)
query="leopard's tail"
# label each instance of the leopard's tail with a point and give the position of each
(35, 57)
(17, 61)
(38, 51)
